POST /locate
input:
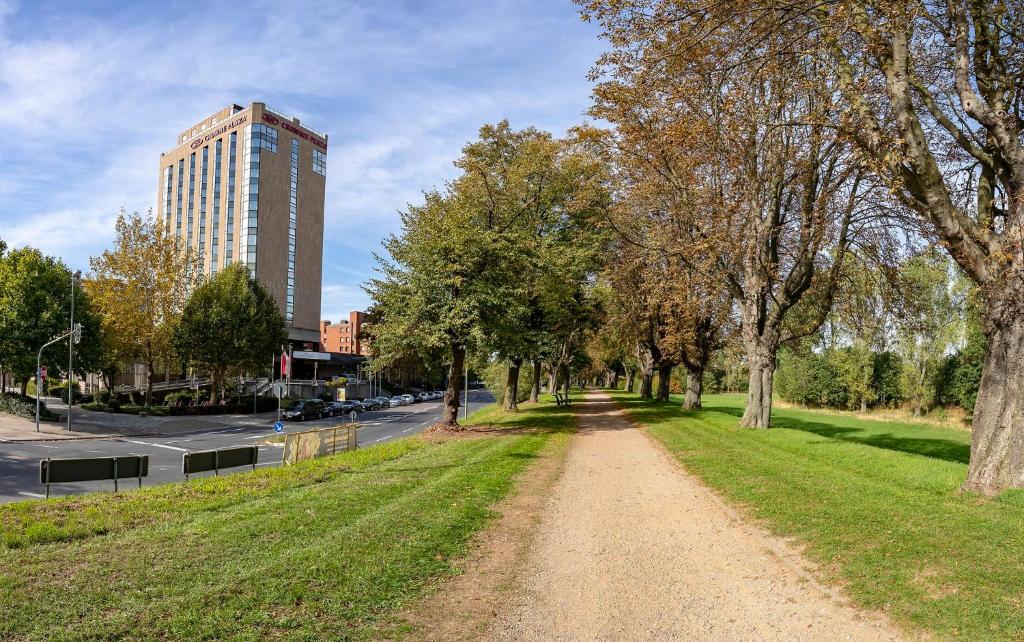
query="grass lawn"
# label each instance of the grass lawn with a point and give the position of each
(326, 549)
(875, 503)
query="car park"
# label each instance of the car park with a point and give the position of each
(306, 409)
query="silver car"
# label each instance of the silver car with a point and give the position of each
(395, 402)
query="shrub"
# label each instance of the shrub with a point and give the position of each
(24, 407)
(103, 396)
(95, 407)
(61, 390)
(114, 405)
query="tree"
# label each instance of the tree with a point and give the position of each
(35, 298)
(932, 94)
(140, 288)
(926, 325)
(743, 151)
(229, 323)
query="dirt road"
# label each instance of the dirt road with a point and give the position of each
(630, 547)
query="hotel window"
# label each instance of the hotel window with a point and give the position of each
(191, 197)
(168, 184)
(215, 242)
(289, 307)
(181, 188)
(265, 137)
(203, 173)
(319, 162)
(229, 236)
(250, 195)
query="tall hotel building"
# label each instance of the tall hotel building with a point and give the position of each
(247, 185)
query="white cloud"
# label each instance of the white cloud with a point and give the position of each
(91, 100)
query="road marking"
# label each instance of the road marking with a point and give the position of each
(147, 443)
(21, 492)
(94, 451)
(407, 429)
(261, 436)
(376, 440)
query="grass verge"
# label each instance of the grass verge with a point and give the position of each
(327, 549)
(877, 504)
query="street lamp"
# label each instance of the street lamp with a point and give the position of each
(74, 338)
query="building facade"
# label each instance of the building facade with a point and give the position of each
(343, 336)
(247, 185)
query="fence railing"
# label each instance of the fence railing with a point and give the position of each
(62, 471)
(217, 460)
(308, 444)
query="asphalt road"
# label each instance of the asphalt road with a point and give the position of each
(19, 461)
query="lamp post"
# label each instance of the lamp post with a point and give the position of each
(71, 344)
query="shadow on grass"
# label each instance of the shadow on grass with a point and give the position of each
(935, 447)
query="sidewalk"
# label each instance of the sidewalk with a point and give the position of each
(631, 547)
(20, 429)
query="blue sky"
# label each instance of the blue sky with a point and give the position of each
(92, 92)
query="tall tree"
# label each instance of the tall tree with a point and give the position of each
(933, 95)
(743, 149)
(35, 306)
(230, 323)
(140, 288)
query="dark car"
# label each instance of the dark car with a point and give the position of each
(306, 409)
(334, 408)
(371, 404)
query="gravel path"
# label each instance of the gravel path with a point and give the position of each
(630, 547)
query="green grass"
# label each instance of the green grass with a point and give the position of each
(876, 503)
(543, 415)
(327, 549)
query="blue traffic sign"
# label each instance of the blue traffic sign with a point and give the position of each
(278, 427)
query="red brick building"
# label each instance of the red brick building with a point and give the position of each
(343, 336)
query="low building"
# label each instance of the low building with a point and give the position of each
(343, 336)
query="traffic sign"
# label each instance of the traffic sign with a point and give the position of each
(278, 427)
(42, 373)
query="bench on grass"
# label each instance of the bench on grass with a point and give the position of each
(561, 400)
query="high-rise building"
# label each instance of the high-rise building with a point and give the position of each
(247, 185)
(343, 336)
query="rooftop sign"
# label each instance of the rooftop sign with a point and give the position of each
(274, 120)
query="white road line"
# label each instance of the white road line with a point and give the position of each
(407, 430)
(21, 492)
(94, 451)
(376, 440)
(264, 436)
(147, 443)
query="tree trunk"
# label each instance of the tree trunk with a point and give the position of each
(630, 375)
(149, 384)
(863, 405)
(646, 381)
(24, 388)
(664, 379)
(553, 382)
(997, 438)
(512, 386)
(535, 388)
(694, 388)
(566, 381)
(451, 395)
(615, 379)
(758, 413)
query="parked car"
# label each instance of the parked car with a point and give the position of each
(395, 402)
(306, 409)
(423, 396)
(409, 399)
(333, 409)
(371, 404)
(347, 406)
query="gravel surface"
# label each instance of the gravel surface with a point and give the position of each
(631, 547)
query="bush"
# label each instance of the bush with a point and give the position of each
(227, 409)
(95, 407)
(24, 407)
(114, 405)
(61, 390)
(103, 396)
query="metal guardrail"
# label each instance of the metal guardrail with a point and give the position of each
(308, 444)
(216, 460)
(61, 471)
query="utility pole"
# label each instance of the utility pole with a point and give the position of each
(465, 408)
(71, 344)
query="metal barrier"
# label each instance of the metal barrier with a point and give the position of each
(207, 460)
(317, 443)
(62, 471)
